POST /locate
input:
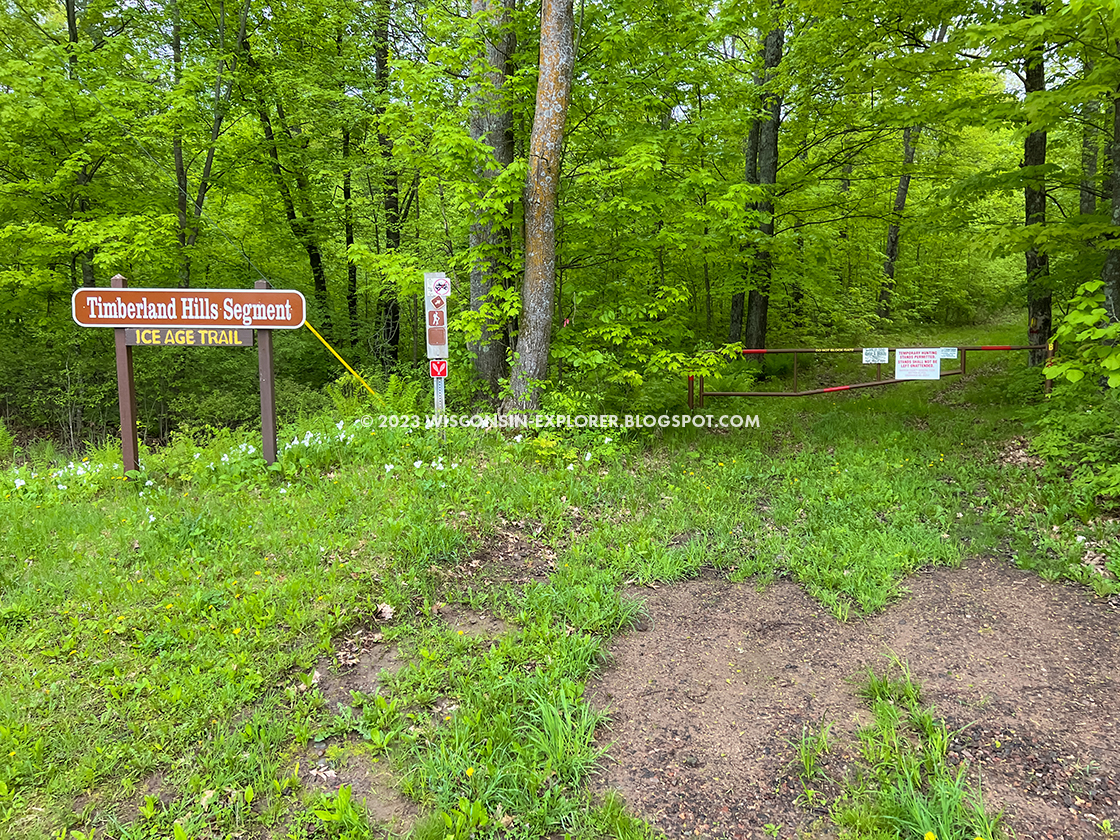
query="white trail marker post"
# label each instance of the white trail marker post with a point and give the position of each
(437, 288)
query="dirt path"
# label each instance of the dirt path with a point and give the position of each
(704, 700)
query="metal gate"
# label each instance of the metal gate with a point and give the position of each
(697, 393)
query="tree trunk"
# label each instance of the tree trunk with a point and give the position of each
(1110, 273)
(554, 90)
(1039, 311)
(302, 226)
(391, 313)
(348, 236)
(910, 137)
(845, 223)
(177, 150)
(758, 301)
(85, 174)
(707, 288)
(491, 123)
(704, 204)
(301, 220)
(189, 228)
(390, 203)
(1090, 138)
(735, 327)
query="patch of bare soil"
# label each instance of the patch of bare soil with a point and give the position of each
(362, 660)
(154, 785)
(1016, 453)
(92, 813)
(705, 701)
(472, 622)
(513, 554)
(330, 765)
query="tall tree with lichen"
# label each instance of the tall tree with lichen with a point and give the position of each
(554, 90)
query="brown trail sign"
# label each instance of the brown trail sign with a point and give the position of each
(262, 309)
(189, 318)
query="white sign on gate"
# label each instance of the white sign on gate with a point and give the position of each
(917, 363)
(876, 355)
(947, 353)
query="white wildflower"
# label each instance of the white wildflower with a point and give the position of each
(19, 483)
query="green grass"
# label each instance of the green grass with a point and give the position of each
(809, 748)
(903, 786)
(168, 627)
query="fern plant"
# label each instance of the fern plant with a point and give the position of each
(7, 444)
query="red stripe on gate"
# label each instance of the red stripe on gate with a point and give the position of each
(753, 351)
(836, 388)
(997, 347)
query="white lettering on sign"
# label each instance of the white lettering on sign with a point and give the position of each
(947, 352)
(876, 355)
(917, 363)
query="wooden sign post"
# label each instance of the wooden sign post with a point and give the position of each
(126, 392)
(268, 389)
(189, 318)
